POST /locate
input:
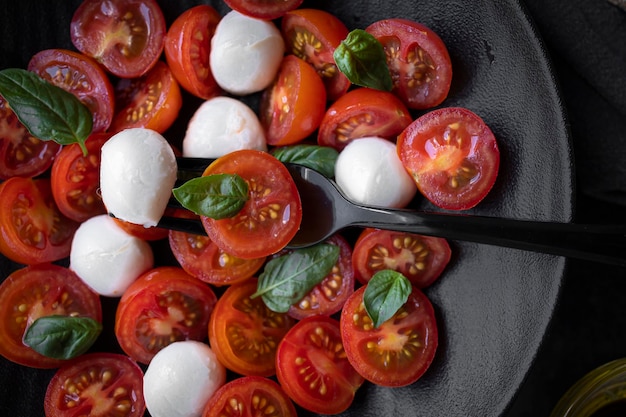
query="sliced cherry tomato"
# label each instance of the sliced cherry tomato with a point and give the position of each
(36, 291)
(33, 229)
(96, 384)
(271, 216)
(151, 101)
(146, 233)
(250, 396)
(313, 35)
(125, 36)
(293, 107)
(164, 305)
(81, 76)
(363, 112)
(421, 259)
(418, 60)
(452, 155)
(399, 351)
(187, 49)
(244, 333)
(263, 9)
(312, 367)
(22, 154)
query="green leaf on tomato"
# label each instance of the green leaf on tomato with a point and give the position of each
(288, 278)
(361, 57)
(62, 337)
(47, 111)
(319, 158)
(385, 293)
(218, 196)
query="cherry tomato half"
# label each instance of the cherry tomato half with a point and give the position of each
(418, 60)
(312, 367)
(36, 291)
(399, 351)
(125, 36)
(96, 384)
(452, 156)
(263, 9)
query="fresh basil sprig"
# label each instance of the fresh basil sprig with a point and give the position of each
(217, 196)
(385, 293)
(319, 158)
(47, 111)
(288, 278)
(62, 337)
(361, 57)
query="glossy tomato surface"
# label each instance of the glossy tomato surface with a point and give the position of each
(263, 9)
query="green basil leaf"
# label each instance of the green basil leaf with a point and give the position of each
(319, 158)
(288, 278)
(217, 196)
(385, 293)
(62, 337)
(361, 58)
(48, 112)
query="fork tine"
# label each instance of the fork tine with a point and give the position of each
(180, 224)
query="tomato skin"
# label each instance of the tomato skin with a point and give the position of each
(363, 112)
(35, 291)
(162, 306)
(452, 156)
(312, 368)
(187, 49)
(409, 340)
(146, 233)
(263, 9)
(109, 382)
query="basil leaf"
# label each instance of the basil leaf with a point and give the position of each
(319, 158)
(385, 293)
(62, 337)
(361, 57)
(48, 112)
(217, 196)
(288, 278)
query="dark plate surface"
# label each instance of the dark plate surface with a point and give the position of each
(493, 304)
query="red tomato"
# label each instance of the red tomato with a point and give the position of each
(96, 384)
(399, 351)
(37, 291)
(418, 60)
(452, 156)
(363, 112)
(312, 367)
(125, 36)
(151, 101)
(313, 35)
(263, 9)
(421, 259)
(33, 229)
(250, 396)
(187, 49)
(81, 76)
(293, 107)
(164, 305)
(271, 216)
(244, 333)
(22, 154)
(142, 232)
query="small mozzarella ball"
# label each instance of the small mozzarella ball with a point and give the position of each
(137, 173)
(245, 53)
(181, 378)
(106, 257)
(222, 125)
(369, 172)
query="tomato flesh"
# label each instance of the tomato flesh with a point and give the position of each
(263, 9)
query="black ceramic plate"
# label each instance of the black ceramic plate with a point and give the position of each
(493, 305)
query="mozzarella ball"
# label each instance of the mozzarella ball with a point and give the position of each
(137, 173)
(181, 378)
(222, 125)
(369, 172)
(107, 258)
(245, 53)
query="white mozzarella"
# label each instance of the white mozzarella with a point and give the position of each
(222, 125)
(137, 173)
(369, 172)
(181, 378)
(106, 257)
(245, 53)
